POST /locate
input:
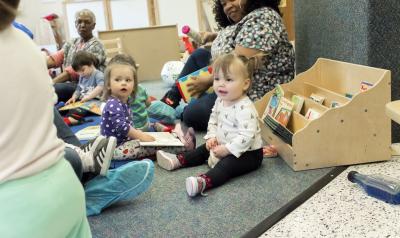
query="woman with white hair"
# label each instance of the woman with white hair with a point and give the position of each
(40, 196)
(65, 83)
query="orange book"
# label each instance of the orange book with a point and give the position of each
(91, 105)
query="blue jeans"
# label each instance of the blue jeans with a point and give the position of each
(200, 58)
(64, 91)
(198, 112)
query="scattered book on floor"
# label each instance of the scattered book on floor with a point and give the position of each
(162, 139)
(317, 98)
(91, 105)
(312, 114)
(298, 102)
(88, 133)
(273, 101)
(364, 86)
(284, 111)
(182, 83)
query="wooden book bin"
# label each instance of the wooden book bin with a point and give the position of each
(358, 131)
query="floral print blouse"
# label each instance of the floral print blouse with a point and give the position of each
(261, 29)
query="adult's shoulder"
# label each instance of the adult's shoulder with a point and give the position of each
(262, 13)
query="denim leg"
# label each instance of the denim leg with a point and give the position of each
(123, 183)
(198, 112)
(200, 58)
(63, 131)
(64, 91)
(73, 158)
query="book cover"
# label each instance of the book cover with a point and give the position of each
(298, 102)
(284, 111)
(312, 114)
(364, 86)
(162, 139)
(88, 133)
(91, 105)
(182, 83)
(274, 101)
(317, 98)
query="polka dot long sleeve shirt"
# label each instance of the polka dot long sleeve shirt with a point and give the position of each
(115, 120)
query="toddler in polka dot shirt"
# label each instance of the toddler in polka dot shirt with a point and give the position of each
(119, 88)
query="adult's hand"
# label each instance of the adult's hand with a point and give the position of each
(199, 84)
(207, 37)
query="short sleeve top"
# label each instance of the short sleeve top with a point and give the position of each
(261, 29)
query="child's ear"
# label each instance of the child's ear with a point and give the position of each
(246, 84)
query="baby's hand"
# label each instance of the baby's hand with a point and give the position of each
(147, 138)
(211, 143)
(220, 151)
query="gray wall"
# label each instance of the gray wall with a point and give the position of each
(357, 31)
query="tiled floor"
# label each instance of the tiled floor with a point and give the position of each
(343, 209)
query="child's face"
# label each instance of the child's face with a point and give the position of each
(232, 86)
(85, 71)
(121, 82)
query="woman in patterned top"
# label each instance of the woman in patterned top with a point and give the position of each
(85, 21)
(246, 28)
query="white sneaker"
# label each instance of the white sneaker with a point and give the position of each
(92, 144)
(195, 186)
(102, 155)
(167, 160)
(96, 156)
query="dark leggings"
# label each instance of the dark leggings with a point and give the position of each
(63, 130)
(65, 134)
(228, 167)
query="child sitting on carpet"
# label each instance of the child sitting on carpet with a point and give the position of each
(90, 85)
(141, 103)
(120, 88)
(233, 135)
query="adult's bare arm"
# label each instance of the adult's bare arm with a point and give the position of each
(63, 77)
(50, 62)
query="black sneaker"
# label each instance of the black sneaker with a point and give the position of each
(103, 154)
(171, 99)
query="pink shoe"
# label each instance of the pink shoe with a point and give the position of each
(195, 186)
(167, 160)
(186, 135)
